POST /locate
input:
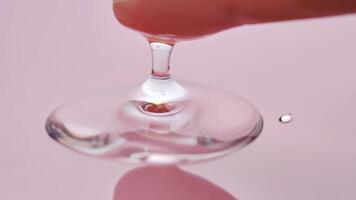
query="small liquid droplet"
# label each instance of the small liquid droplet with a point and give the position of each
(286, 118)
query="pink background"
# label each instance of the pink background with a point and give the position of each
(51, 51)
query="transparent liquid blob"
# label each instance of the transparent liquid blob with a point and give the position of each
(160, 122)
(195, 124)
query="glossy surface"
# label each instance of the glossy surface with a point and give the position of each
(162, 183)
(305, 67)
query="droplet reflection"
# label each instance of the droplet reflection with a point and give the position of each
(168, 182)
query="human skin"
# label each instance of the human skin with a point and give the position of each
(186, 19)
(259, 11)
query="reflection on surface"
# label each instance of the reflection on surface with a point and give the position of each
(166, 183)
